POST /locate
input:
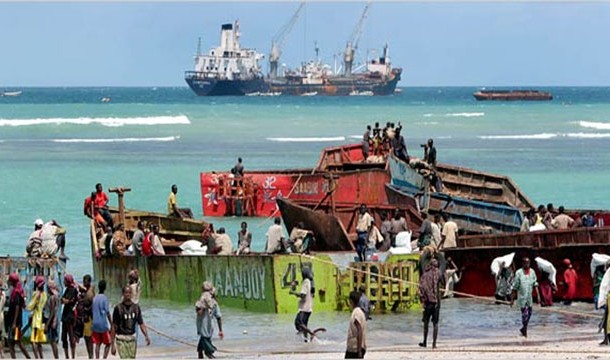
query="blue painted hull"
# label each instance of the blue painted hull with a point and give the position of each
(214, 87)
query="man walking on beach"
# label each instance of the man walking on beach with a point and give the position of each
(101, 321)
(207, 309)
(305, 303)
(356, 332)
(124, 319)
(430, 300)
(525, 282)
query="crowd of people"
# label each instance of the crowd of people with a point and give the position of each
(378, 142)
(549, 218)
(438, 231)
(84, 315)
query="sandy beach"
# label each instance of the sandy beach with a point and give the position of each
(563, 345)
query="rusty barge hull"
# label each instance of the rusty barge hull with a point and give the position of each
(262, 187)
(476, 253)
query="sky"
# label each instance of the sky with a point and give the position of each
(436, 44)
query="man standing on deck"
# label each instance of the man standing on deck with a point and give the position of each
(238, 168)
(431, 301)
(398, 224)
(449, 234)
(430, 153)
(399, 146)
(365, 142)
(101, 204)
(137, 239)
(363, 229)
(275, 238)
(172, 206)
(562, 221)
(525, 282)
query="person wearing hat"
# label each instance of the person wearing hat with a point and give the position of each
(570, 279)
(34, 244)
(36, 306)
(53, 310)
(14, 315)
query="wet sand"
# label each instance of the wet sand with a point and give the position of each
(572, 345)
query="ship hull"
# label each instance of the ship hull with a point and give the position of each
(475, 254)
(334, 86)
(338, 86)
(214, 87)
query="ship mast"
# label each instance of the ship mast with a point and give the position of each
(278, 41)
(352, 44)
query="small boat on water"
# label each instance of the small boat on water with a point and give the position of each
(512, 95)
(311, 93)
(11, 93)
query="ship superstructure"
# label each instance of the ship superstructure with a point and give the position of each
(227, 69)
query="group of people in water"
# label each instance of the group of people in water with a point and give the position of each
(74, 314)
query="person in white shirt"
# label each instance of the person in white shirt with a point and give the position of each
(449, 234)
(275, 238)
(363, 229)
(356, 332)
(305, 303)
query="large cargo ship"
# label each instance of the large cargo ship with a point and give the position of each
(512, 95)
(230, 70)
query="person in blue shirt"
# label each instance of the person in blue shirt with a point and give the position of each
(101, 321)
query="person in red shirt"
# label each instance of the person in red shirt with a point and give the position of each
(91, 212)
(570, 279)
(101, 204)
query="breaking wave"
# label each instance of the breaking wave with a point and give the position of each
(512, 137)
(158, 139)
(589, 135)
(546, 136)
(465, 114)
(460, 114)
(595, 125)
(307, 139)
(110, 121)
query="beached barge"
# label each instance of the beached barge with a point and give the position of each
(476, 253)
(255, 195)
(256, 282)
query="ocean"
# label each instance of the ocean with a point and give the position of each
(57, 143)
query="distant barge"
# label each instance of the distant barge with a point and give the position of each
(512, 95)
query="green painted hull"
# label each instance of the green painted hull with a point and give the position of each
(261, 283)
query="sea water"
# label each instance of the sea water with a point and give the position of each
(57, 143)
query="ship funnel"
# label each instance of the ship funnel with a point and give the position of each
(228, 39)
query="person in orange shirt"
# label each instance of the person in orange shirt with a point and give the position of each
(91, 212)
(101, 204)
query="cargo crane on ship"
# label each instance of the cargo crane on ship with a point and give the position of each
(278, 41)
(352, 44)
